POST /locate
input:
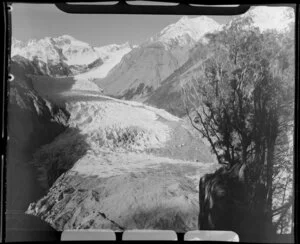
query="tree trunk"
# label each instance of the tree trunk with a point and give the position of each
(269, 173)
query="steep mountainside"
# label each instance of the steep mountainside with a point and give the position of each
(29, 113)
(181, 36)
(143, 69)
(32, 122)
(168, 95)
(139, 72)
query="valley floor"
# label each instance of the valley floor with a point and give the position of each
(124, 165)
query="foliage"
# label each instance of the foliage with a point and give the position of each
(242, 103)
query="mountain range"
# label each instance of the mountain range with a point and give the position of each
(65, 55)
(104, 125)
(134, 72)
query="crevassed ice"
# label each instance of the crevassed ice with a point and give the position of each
(111, 124)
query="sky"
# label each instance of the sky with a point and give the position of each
(36, 21)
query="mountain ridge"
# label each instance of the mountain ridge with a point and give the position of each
(134, 72)
(74, 56)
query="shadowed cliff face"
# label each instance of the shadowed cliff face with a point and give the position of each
(32, 122)
(225, 200)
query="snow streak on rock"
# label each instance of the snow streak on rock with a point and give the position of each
(111, 56)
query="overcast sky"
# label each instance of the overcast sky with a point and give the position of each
(40, 20)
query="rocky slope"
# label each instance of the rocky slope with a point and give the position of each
(162, 196)
(168, 95)
(139, 72)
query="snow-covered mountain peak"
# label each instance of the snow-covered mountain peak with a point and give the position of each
(108, 50)
(66, 37)
(266, 18)
(42, 50)
(186, 30)
(67, 40)
(186, 20)
(183, 19)
(54, 50)
(17, 43)
(31, 41)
